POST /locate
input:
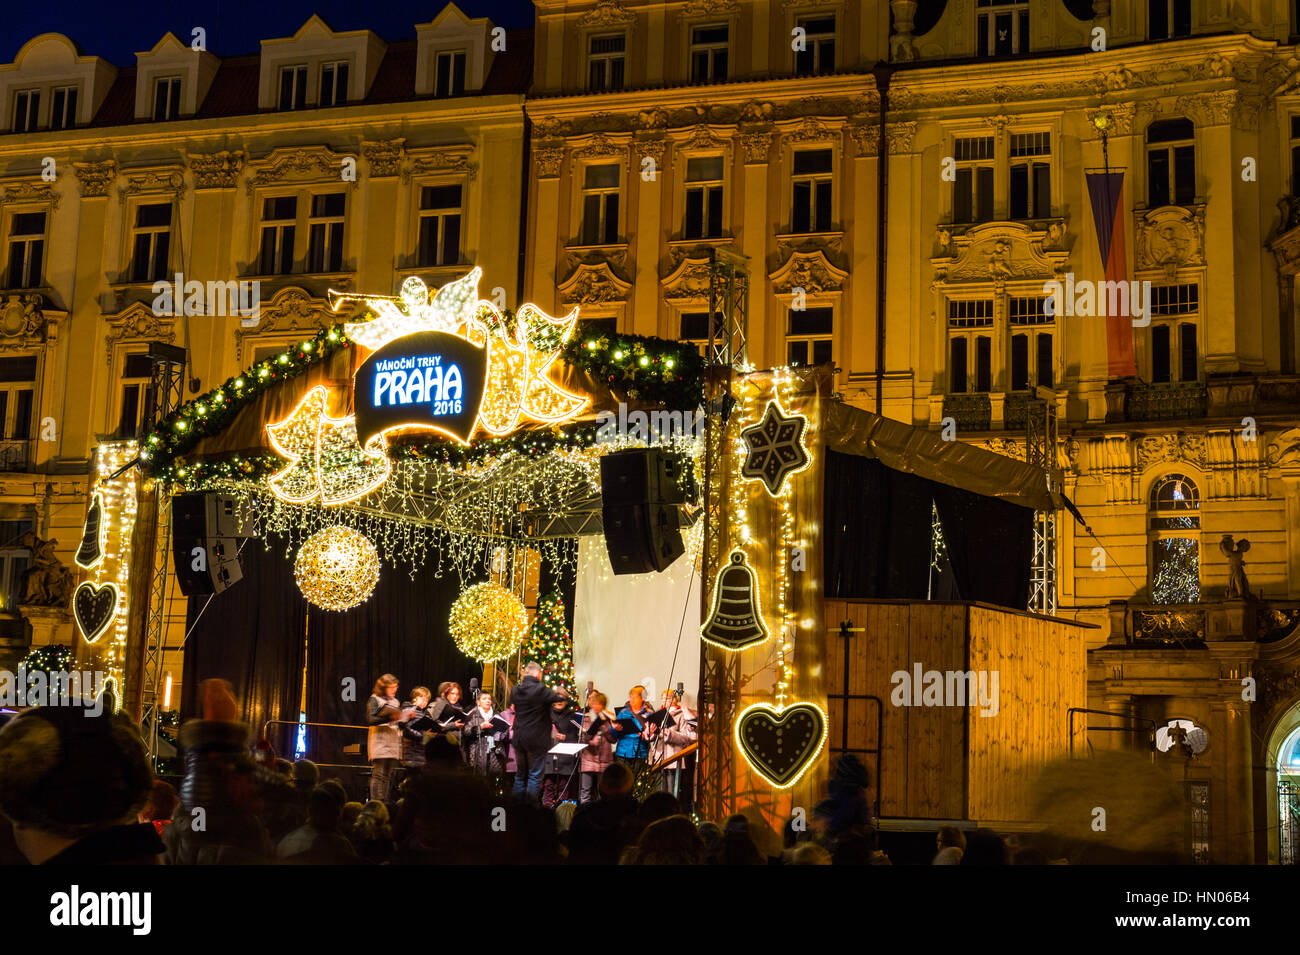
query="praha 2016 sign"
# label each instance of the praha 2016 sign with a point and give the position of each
(431, 380)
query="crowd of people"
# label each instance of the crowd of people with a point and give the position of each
(78, 789)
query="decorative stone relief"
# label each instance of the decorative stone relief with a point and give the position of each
(1170, 238)
(216, 170)
(384, 157)
(593, 284)
(810, 271)
(290, 310)
(95, 178)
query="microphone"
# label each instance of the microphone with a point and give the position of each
(473, 690)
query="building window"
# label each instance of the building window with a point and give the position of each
(709, 54)
(333, 84)
(1169, 18)
(809, 339)
(293, 87)
(811, 191)
(26, 103)
(818, 54)
(449, 74)
(695, 330)
(166, 98)
(600, 204)
(1031, 176)
(26, 249)
(703, 197)
(137, 395)
(15, 558)
(439, 225)
(1173, 330)
(153, 225)
(970, 345)
(325, 233)
(972, 193)
(1031, 344)
(279, 216)
(1002, 27)
(17, 391)
(1171, 163)
(606, 61)
(63, 107)
(1295, 155)
(1175, 550)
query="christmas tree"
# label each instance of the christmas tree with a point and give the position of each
(550, 645)
(52, 658)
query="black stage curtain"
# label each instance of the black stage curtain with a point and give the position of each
(250, 635)
(877, 542)
(990, 545)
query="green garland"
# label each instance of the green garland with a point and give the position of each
(51, 658)
(651, 370)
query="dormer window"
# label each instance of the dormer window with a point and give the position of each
(333, 83)
(449, 74)
(293, 87)
(606, 62)
(26, 103)
(1002, 27)
(63, 107)
(166, 98)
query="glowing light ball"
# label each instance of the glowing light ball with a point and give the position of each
(337, 568)
(488, 622)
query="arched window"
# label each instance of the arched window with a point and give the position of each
(1175, 531)
(1171, 163)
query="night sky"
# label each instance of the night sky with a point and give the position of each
(119, 29)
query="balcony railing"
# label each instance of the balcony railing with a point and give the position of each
(15, 454)
(1132, 400)
(971, 412)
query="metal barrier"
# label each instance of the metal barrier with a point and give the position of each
(1069, 724)
(342, 726)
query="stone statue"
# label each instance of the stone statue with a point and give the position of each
(47, 582)
(1238, 585)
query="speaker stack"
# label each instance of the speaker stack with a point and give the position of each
(206, 533)
(642, 490)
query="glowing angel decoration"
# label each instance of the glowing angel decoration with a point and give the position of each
(414, 310)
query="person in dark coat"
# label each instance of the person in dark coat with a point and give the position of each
(532, 700)
(484, 747)
(601, 830)
(72, 784)
(561, 780)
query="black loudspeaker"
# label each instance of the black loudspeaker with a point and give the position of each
(641, 490)
(206, 531)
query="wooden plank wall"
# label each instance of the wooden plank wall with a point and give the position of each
(1042, 672)
(923, 748)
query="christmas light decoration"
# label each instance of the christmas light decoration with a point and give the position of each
(324, 457)
(488, 622)
(93, 532)
(337, 568)
(780, 743)
(775, 448)
(414, 310)
(736, 620)
(550, 645)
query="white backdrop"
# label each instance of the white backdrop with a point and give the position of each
(625, 628)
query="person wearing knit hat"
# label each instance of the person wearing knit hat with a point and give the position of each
(72, 785)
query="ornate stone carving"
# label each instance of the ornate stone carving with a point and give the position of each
(866, 138)
(138, 323)
(593, 284)
(710, 8)
(655, 148)
(1119, 119)
(812, 272)
(1007, 447)
(1170, 449)
(384, 157)
(607, 13)
(810, 130)
(30, 192)
(439, 160)
(756, 113)
(217, 170)
(689, 281)
(757, 146)
(702, 137)
(1170, 238)
(997, 252)
(598, 146)
(287, 164)
(548, 160)
(22, 320)
(152, 181)
(95, 178)
(290, 310)
(899, 136)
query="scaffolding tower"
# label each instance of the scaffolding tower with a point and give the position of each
(1040, 452)
(166, 390)
(726, 354)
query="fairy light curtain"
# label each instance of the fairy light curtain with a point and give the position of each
(780, 535)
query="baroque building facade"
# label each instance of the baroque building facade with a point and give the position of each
(600, 158)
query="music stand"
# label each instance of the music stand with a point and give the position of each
(569, 749)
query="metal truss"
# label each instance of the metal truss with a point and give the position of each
(728, 309)
(1040, 452)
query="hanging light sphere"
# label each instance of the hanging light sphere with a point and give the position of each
(488, 622)
(337, 568)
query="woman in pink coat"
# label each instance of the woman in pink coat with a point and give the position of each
(599, 753)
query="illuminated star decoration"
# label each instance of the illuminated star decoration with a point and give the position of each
(324, 456)
(774, 448)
